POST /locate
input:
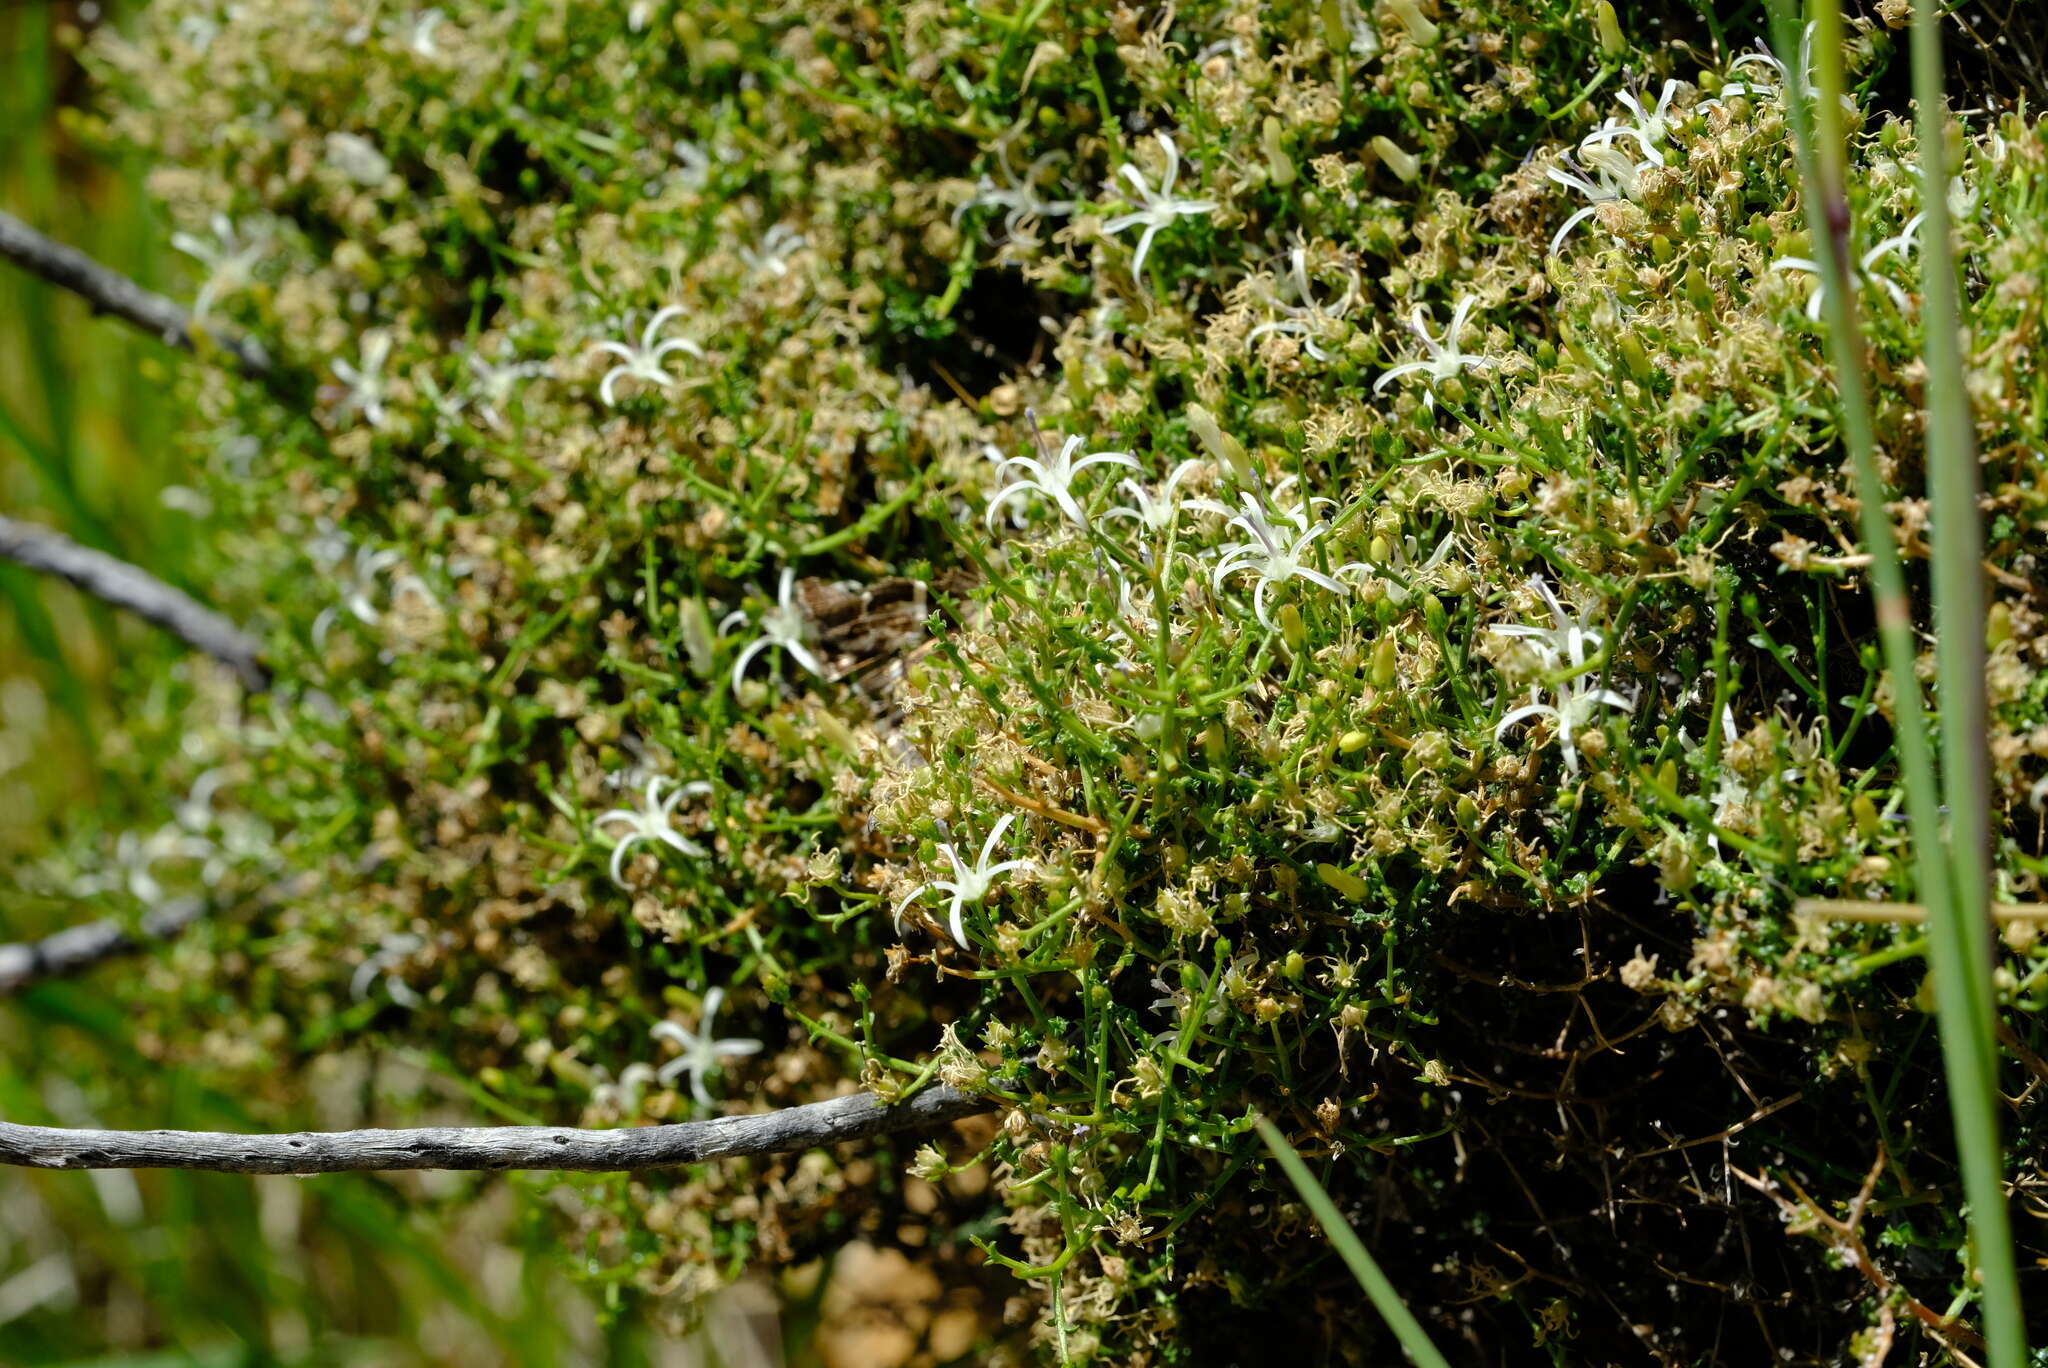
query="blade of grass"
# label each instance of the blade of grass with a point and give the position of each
(1964, 1013)
(1962, 941)
(22, 592)
(1414, 1339)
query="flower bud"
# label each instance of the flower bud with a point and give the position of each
(1220, 445)
(1402, 164)
(1608, 25)
(1348, 884)
(1386, 663)
(1467, 812)
(1415, 21)
(1279, 166)
(1292, 629)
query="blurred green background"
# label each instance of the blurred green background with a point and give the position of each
(84, 427)
(156, 1268)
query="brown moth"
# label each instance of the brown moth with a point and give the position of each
(870, 634)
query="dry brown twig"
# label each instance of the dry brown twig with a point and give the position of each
(1847, 1238)
(1855, 910)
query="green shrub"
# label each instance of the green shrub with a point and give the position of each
(1430, 761)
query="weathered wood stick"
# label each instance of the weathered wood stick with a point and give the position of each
(80, 947)
(126, 586)
(110, 292)
(857, 1116)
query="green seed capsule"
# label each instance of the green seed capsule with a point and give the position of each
(1608, 25)
(1335, 35)
(1698, 292)
(1403, 164)
(1386, 663)
(836, 731)
(1279, 166)
(1997, 626)
(1635, 358)
(1352, 742)
(1293, 630)
(1348, 884)
(1433, 614)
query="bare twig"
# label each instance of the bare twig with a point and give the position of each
(110, 292)
(125, 586)
(81, 947)
(78, 948)
(1767, 1109)
(1856, 910)
(1809, 1217)
(857, 1116)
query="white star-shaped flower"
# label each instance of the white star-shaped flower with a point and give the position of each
(653, 820)
(969, 884)
(1054, 478)
(1617, 178)
(367, 387)
(644, 362)
(783, 627)
(1898, 245)
(1444, 359)
(1274, 555)
(701, 1054)
(1647, 127)
(1155, 513)
(1157, 207)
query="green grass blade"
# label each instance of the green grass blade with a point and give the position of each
(1961, 941)
(59, 479)
(1956, 947)
(1385, 1299)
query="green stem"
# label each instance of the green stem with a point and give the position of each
(1414, 1339)
(1955, 941)
(1962, 939)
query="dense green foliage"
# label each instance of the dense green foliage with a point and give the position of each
(1427, 757)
